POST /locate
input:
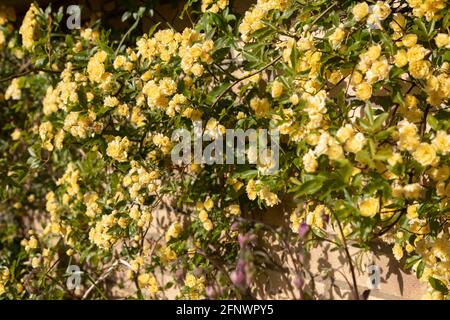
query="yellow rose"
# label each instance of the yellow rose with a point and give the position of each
(442, 40)
(355, 143)
(419, 69)
(118, 149)
(440, 188)
(411, 101)
(208, 204)
(378, 71)
(394, 159)
(2, 38)
(260, 106)
(277, 89)
(269, 198)
(28, 27)
(35, 262)
(119, 61)
(16, 134)
(397, 251)
(412, 212)
(416, 53)
(304, 44)
(369, 207)
(433, 295)
(344, 133)
(197, 69)
(360, 11)
(294, 99)
(374, 52)
(413, 191)
(442, 142)
(335, 76)
(234, 209)
(364, 91)
(309, 162)
(251, 190)
(208, 225)
(397, 190)
(357, 78)
(440, 174)
(398, 23)
(174, 231)
(336, 37)
(409, 40)
(408, 138)
(381, 10)
(425, 154)
(401, 59)
(203, 215)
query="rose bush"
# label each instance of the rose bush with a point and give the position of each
(358, 91)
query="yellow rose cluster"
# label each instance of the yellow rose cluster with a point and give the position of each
(429, 9)
(203, 209)
(118, 148)
(311, 214)
(29, 27)
(196, 286)
(257, 189)
(213, 6)
(253, 18)
(96, 70)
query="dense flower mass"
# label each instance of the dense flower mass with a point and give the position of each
(358, 92)
(28, 28)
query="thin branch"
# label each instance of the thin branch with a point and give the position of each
(133, 26)
(323, 13)
(349, 258)
(100, 279)
(18, 75)
(245, 77)
(424, 120)
(389, 227)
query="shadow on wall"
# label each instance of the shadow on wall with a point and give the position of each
(326, 269)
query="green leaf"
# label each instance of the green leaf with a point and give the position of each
(438, 285)
(382, 135)
(216, 92)
(432, 121)
(153, 29)
(295, 181)
(294, 57)
(420, 268)
(387, 42)
(221, 53)
(369, 114)
(396, 72)
(344, 169)
(383, 154)
(310, 186)
(446, 56)
(247, 174)
(411, 261)
(379, 121)
(363, 156)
